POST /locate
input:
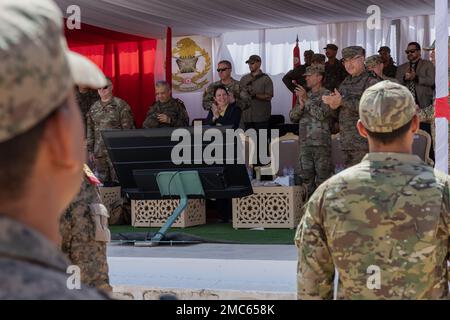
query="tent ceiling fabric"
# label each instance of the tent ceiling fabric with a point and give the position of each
(149, 18)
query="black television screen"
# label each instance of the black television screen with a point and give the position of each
(139, 155)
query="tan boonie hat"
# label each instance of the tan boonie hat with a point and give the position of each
(374, 60)
(433, 45)
(353, 51)
(386, 106)
(314, 69)
(37, 70)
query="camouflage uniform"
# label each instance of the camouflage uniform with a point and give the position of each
(354, 146)
(174, 109)
(85, 101)
(38, 75)
(116, 114)
(391, 212)
(314, 138)
(84, 231)
(241, 96)
(33, 268)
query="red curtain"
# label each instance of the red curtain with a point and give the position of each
(127, 59)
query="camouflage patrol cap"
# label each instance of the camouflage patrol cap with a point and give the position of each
(373, 61)
(314, 69)
(37, 71)
(433, 45)
(386, 106)
(318, 58)
(351, 52)
(308, 53)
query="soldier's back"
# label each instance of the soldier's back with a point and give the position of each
(389, 213)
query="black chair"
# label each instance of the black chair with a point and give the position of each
(276, 119)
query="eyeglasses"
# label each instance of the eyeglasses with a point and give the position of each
(222, 70)
(410, 51)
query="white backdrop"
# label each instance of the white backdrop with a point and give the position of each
(275, 48)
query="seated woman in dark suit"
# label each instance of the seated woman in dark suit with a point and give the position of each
(223, 113)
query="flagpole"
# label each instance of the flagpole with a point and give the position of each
(169, 56)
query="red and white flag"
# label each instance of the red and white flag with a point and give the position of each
(297, 63)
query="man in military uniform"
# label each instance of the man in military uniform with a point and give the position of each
(334, 70)
(389, 67)
(346, 101)
(42, 150)
(259, 87)
(296, 75)
(107, 113)
(166, 111)
(237, 95)
(375, 65)
(86, 97)
(382, 224)
(318, 59)
(313, 117)
(85, 233)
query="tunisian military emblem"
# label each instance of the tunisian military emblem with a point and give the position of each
(191, 71)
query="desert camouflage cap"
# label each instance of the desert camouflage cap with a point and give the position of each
(318, 58)
(386, 106)
(374, 60)
(314, 69)
(351, 52)
(36, 68)
(433, 45)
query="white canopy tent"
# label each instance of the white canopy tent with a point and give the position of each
(239, 28)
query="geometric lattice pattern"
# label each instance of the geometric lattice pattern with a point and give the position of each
(154, 213)
(110, 196)
(270, 207)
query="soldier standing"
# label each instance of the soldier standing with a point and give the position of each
(296, 75)
(346, 101)
(166, 111)
(375, 65)
(259, 87)
(389, 67)
(382, 224)
(84, 231)
(41, 147)
(334, 70)
(86, 97)
(313, 117)
(236, 94)
(108, 113)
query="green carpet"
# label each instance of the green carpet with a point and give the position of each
(224, 232)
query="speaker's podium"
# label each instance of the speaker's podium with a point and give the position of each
(169, 163)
